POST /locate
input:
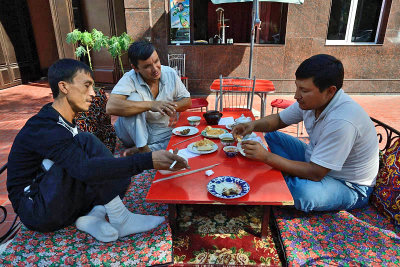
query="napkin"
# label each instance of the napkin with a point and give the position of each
(184, 153)
(226, 121)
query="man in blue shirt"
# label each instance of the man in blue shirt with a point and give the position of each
(146, 99)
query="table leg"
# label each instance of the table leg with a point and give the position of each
(216, 100)
(263, 104)
(265, 222)
(172, 211)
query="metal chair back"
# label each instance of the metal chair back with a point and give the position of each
(177, 62)
(236, 93)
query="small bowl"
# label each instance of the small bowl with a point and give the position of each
(227, 139)
(194, 120)
(230, 151)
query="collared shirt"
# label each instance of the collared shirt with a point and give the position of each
(342, 139)
(171, 88)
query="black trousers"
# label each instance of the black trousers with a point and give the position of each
(55, 200)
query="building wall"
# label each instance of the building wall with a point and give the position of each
(368, 68)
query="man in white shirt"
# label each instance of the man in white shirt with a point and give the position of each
(337, 169)
(146, 99)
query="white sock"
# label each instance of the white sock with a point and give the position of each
(128, 223)
(95, 224)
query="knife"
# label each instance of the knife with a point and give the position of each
(182, 174)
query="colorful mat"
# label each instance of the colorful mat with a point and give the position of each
(212, 234)
(359, 237)
(70, 246)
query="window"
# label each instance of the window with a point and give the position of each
(357, 21)
(204, 26)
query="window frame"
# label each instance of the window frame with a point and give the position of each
(350, 27)
(282, 24)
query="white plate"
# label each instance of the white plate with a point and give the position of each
(230, 126)
(193, 130)
(193, 149)
(216, 190)
(239, 146)
(204, 133)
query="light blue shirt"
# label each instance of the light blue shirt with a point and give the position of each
(171, 88)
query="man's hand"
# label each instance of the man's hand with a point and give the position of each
(254, 150)
(164, 107)
(162, 160)
(242, 129)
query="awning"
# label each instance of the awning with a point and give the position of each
(217, 2)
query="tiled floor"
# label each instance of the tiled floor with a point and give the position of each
(19, 103)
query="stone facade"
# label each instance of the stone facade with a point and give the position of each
(368, 68)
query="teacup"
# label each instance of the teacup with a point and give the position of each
(230, 151)
(194, 120)
(227, 139)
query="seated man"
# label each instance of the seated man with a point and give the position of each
(338, 168)
(58, 175)
(145, 98)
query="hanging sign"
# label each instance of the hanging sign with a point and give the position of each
(180, 21)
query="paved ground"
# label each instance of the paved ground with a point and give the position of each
(19, 103)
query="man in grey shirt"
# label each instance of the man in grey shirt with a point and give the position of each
(337, 169)
(146, 99)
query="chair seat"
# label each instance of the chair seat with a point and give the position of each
(281, 103)
(199, 103)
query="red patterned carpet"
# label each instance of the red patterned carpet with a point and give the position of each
(214, 234)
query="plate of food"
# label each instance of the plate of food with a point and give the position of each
(228, 187)
(252, 137)
(230, 126)
(204, 146)
(213, 132)
(185, 130)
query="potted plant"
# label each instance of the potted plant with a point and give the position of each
(117, 45)
(87, 41)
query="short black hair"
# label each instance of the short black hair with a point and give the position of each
(140, 50)
(65, 70)
(325, 70)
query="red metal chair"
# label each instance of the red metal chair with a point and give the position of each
(199, 103)
(282, 103)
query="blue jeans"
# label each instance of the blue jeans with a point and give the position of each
(325, 195)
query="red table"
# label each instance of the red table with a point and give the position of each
(262, 88)
(267, 186)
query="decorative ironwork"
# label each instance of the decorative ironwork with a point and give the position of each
(15, 225)
(386, 134)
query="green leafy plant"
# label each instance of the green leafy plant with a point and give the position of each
(87, 41)
(95, 40)
(117, 45)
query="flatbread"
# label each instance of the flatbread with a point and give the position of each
(213, 131)
(204, 145)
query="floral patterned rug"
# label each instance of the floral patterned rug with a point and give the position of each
(360, 237)
(70, 246)
(216, 234)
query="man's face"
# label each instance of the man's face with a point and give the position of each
(80, 92)
(309, 97)
(150, 69)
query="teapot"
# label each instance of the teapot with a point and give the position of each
(212, 117)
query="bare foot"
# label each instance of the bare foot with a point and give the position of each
(144, 149)
(130, 151)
